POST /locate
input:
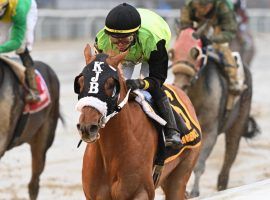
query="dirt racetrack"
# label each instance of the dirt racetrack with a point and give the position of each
(61, 178)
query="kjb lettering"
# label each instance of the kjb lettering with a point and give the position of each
(94, 80)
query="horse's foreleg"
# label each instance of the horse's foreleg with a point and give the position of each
(232, 145)
(207, 146)
(175, 184)
(144, 195)
(39, 146)
(233, 137)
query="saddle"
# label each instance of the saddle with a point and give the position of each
(19, 71)
(16, 67)
(190, 139)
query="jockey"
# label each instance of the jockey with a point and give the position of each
(240, 7)
(242, 20)
(17, 22)
(220, 16)
(146, 36)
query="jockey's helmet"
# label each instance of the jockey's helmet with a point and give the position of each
(3, 7)
(122, 21)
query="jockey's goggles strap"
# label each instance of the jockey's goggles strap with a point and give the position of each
(146, 84)
(122, 31)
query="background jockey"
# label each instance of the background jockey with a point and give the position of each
(146, 36)
(17, 21)
(220, 16)
(240, 8)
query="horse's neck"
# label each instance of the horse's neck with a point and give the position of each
(210, 84)
(121, 123)
(129, 129)
(210, 74)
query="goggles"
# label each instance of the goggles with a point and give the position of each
(125, 40)
(3, 8)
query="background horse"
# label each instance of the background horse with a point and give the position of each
(207, 89)
(247, 51)
(40, 127)
(118, 161)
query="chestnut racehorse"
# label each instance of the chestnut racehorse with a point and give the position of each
(118, 159)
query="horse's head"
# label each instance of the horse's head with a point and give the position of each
(98, 89)
(186, 56)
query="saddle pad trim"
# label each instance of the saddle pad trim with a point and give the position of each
(185, 109)
(171, 158)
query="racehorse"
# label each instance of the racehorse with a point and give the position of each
(118, 159)
(38, 129)
(202, 78)
(246, 49)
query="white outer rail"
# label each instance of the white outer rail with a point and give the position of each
(72, 24)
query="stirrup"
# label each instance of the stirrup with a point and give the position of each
(173, 140)
(237, 89)
(32, 97)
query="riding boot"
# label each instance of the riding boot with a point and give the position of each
(235, 87)
(172, 135)
(33, 95)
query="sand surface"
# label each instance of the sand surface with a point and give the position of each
(61, 178)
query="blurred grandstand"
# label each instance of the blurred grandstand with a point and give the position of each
(107, 4)
(73, 19)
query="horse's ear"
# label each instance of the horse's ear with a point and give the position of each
(78, 83)
(88, 54)
(115, 60)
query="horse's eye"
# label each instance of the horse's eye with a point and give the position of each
(110, 87)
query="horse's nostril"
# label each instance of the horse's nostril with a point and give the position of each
(93, 128)
(78, 127)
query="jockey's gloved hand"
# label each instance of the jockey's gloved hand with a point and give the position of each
(134, 84)
(205, 41)
(217, 38)
(195, 36)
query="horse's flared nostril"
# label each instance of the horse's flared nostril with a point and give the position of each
(88, 129)
(78, 127)
(93, 128)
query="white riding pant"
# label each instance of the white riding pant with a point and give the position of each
(31, 21)
(128, 69)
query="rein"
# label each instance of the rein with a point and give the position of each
(197, 75)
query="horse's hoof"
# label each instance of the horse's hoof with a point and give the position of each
(194, 194)
(221, 187)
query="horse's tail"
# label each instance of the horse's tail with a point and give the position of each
(60, 116)
(252, 129)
